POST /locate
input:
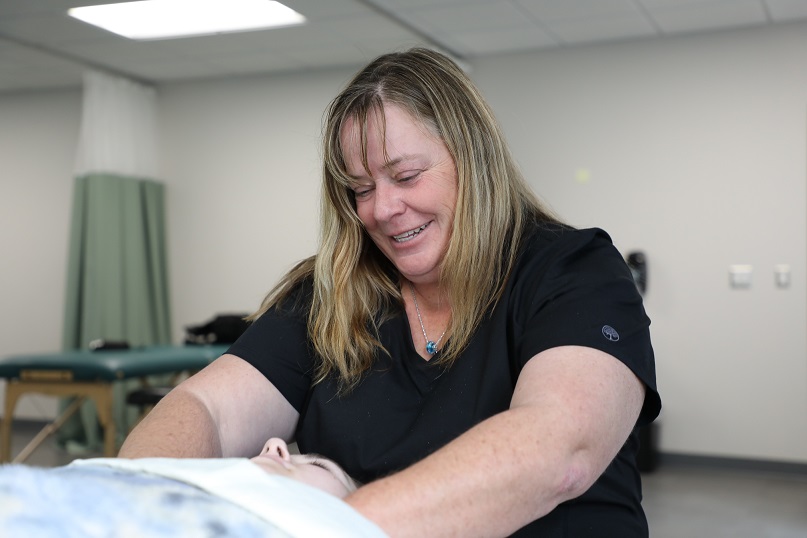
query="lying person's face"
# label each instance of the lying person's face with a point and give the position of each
(310, 469)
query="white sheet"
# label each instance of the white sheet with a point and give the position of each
(296, 508)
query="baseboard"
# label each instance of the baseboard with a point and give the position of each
(733, 464)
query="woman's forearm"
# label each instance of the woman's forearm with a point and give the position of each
(571, 412)
(486, 483)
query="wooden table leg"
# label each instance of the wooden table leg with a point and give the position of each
(8, 417)
(103, 396)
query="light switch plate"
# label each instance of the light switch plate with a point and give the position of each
(740, 276)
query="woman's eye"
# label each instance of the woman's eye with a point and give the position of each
(409, 176)
(319, 464)
(361, 193)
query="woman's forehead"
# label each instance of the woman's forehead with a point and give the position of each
(358, 122)
(361, 136)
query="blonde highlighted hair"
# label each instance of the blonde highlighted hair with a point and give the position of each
(356, 288)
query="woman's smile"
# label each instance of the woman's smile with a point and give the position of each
(411, 234)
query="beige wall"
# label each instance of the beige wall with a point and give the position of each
(38, 137)
(695, 149)
(696, 154)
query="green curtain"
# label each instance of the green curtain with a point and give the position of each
(117, 285)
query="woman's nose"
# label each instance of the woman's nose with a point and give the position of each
(388, 201)
(276, 447)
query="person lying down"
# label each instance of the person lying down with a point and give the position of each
(275, 494)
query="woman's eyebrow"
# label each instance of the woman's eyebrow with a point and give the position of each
(392, 163)
(398, 160)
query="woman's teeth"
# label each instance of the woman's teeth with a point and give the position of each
(404, 237)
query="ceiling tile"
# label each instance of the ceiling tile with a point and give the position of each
(481, 42)
(115, 51)
(476, 16)
(785, 10)
(326, 9)
(338, 55)
(653, 4)
(368, 26)
(404, 5)
(38, 7)
(276, 39)
(572, 9)
(50, 28)
(708, 15)
(609, 27)
(169, 70)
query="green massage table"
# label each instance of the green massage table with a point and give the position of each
(89, 374)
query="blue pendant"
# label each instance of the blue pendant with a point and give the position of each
(431, 347)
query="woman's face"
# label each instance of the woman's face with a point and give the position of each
(313, 470)
(407, 196)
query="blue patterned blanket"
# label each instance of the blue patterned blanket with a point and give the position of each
(166, 497)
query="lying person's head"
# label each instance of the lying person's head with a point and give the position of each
(310, 469)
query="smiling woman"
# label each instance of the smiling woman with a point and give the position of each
(451, 344)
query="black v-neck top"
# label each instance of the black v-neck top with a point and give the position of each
(569, 287)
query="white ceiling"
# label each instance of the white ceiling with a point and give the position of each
(41, 47)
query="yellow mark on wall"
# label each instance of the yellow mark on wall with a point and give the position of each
(582, 175)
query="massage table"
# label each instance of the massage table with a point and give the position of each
(89, 374)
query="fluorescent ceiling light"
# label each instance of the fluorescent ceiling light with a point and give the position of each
(162, 19)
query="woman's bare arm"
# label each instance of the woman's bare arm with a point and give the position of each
(572, 410)
(228, 409)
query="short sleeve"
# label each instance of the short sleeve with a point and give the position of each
(572, 287)
(276, 344)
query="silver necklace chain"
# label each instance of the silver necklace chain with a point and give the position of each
(431, 346)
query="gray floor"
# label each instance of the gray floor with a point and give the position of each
(681, 500)
(695, 501)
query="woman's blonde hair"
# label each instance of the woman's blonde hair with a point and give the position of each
(355, 287)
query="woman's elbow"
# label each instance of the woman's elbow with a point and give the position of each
(576, 478)
(576, 474)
